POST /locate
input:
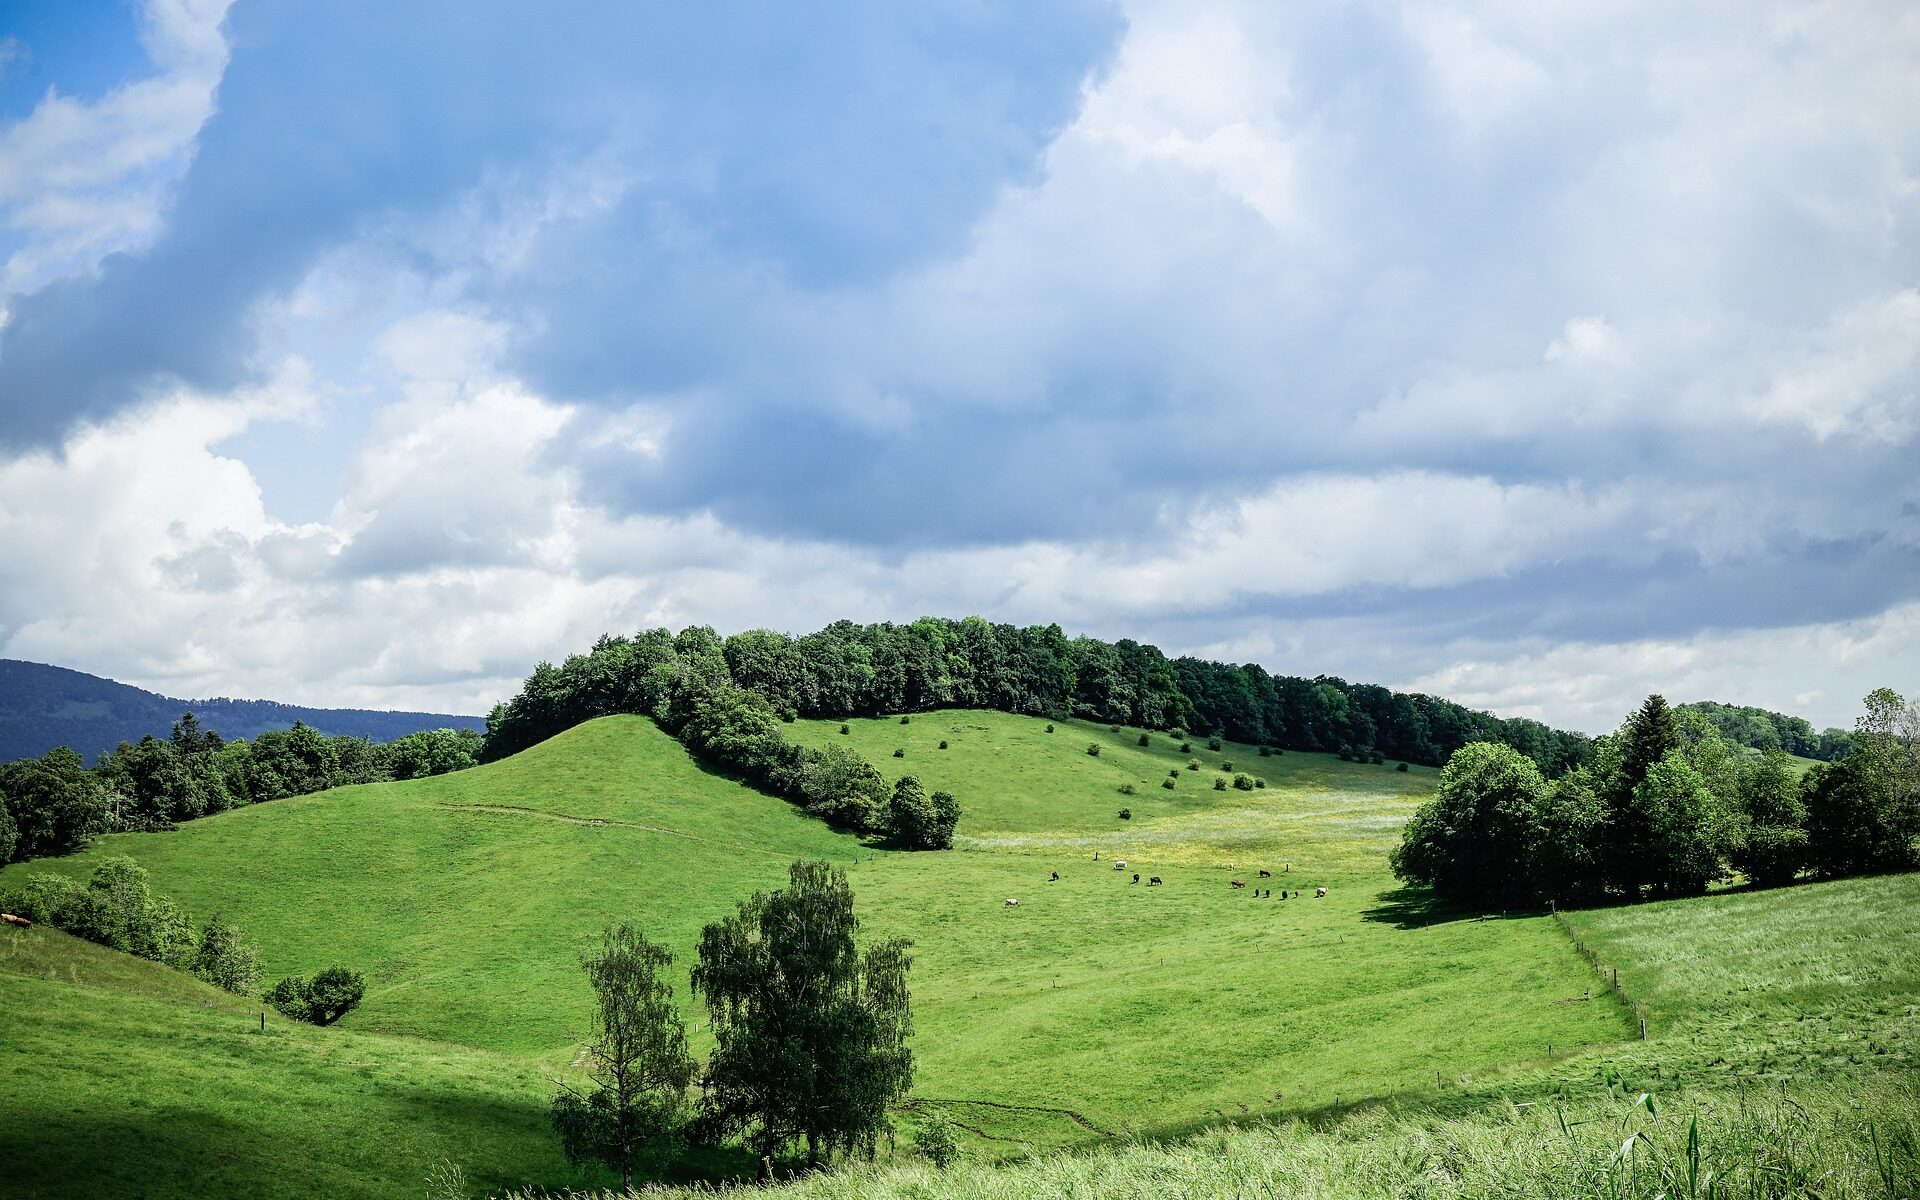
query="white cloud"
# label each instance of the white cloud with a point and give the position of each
(82, 179)
(1594, 686)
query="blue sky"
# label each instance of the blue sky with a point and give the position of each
(1540, 356)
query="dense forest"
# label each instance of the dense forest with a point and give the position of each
(848, 669)
(56, 804)
(42, 707)
(1667, 806)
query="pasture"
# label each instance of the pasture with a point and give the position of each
(1097, 1008)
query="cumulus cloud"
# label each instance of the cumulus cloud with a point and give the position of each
(1387, 340)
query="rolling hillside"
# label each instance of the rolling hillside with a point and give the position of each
(42, 707)
(1097, 1009)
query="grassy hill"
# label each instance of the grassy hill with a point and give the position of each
(1097, 1008)
(42, 707)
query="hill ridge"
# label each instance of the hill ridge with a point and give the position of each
(44, 705)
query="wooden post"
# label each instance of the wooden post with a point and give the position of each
(1616, 978)
(1643, 1029)
(263, 1021)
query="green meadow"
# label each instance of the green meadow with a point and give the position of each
(1097, 1011)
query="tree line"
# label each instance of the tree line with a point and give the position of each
(1761, 729)
(1666, 806)
(56, 804)
(760, 678)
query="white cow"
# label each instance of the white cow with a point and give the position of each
(1120, 864)
(1319, 891)
(1012, 903)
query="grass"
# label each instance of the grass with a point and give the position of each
(123, 1078)
(1096, 1012)
(1854, 1142)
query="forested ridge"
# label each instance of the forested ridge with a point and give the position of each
(849, 670)
(43, 706)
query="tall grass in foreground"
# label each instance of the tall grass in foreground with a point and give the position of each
(1846, 1141)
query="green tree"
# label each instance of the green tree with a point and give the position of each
(810, 1037)
(332, 993)
(1688, 829)
(56, 804)
(1569, 838)
(1471, 840)
(636, 1058)
(946, 818)
(225, 958)
(9, 835)
(1773, 842)
(910, 815)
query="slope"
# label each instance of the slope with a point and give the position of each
(466, 899)
(123, 1078)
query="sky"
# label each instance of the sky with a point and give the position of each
(1536, 356)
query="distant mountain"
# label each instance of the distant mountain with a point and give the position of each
(42, 707)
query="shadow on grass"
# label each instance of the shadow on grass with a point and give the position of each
(1418, 908)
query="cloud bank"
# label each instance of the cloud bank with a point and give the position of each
(1539, 358)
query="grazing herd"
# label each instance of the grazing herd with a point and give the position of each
(1120, 864)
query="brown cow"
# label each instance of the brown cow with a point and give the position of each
(10, 919)
(1239, 883)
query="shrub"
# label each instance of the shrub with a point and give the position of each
(1113, 729)
(331, 994)
(1093, 748)
(789, 715)
(1127, 789)
(1167, 783)
(1401, 767)
(899, 752)
(1049, 728)
(906, 720)
(935, 1140)
(1227, 766)
(1186, 747)
(1213, 743)
(1219, 784)
(1277, 752)
(1376, 758)
(1259, 783)
(1174, 773)
(844, 729)
(1243, 782)
(1126, 814)
(943, 743)
(1346, 754)
(1145, 740)
(1193, 764)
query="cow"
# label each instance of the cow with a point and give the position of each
(10, 919)
(1012, 903)
(1153, 881)
(1119, 864)
(1283, 893)
(1239, 883)
(1265, 874)
(1056, 878)
(1319, 892)
(1136, 877)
